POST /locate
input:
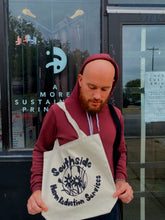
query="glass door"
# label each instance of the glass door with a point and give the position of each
(141, 58)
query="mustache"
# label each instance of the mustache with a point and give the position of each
(96, 100)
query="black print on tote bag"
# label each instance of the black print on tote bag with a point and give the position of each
(72, 177)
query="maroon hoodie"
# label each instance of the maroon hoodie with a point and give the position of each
(55, 126)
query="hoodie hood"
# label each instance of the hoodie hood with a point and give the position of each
(102, 56)
(75, 93)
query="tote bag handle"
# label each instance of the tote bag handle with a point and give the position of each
(80, 133)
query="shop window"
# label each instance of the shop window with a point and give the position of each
(48, 42)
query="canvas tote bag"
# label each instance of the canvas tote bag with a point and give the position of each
(77, 181)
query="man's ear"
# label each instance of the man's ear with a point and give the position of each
(80, 79)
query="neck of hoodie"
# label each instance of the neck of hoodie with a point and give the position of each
(90, 123)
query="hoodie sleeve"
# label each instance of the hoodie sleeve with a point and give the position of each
(44, 143)
(121, 170)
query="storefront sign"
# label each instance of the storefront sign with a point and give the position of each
(154, 96)
(59, 60)
(33, 105)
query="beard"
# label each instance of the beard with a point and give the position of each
(86, 104)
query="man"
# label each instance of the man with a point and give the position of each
(88, 106)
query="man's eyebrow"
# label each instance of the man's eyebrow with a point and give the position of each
(105, 87)
(91, 84)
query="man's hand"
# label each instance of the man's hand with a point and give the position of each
(123, 191)
(35, 203)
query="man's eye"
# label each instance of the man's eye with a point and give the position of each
(105, 89)
(92, 87)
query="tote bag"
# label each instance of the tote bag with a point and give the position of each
(77, 180)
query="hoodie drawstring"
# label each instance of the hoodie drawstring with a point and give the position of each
(91, 124)
(97, 119)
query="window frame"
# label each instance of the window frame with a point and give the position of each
(4, 77)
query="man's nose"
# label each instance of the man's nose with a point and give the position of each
(97, 94)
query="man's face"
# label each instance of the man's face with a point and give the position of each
(95, 85)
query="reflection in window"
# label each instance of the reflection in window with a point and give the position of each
(48, 44)
(143, 52)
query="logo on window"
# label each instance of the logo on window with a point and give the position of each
(59, 60)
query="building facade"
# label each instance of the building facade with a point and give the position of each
(43, 45)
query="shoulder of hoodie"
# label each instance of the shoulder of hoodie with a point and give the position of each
(118, 111)
(53, 110)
